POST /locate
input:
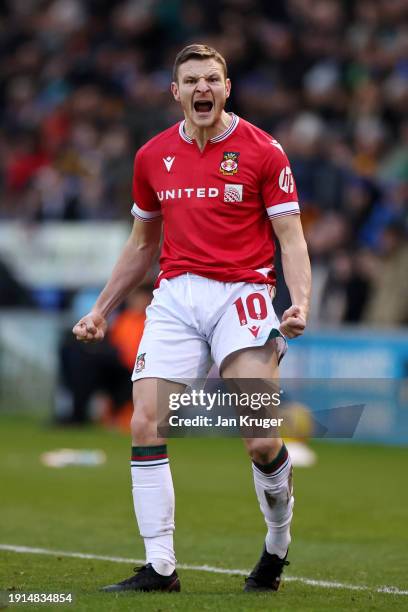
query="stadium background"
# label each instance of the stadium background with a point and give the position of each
(82, 86)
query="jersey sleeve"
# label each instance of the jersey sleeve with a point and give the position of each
(146, 206)
(278, 187)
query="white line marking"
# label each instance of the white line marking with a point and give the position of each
(324, 584)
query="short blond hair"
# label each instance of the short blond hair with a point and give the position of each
(200, 52)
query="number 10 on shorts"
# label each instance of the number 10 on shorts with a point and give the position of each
(255, 308)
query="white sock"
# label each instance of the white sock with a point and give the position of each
(275, 495)
(153, 500)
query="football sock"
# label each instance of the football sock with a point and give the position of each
(273, 485)
(153, 500)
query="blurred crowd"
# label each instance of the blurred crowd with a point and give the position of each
(85, 82)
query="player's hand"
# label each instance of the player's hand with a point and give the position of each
(91, 328)
(293, 322)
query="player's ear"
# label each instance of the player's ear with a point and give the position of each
(175, 91)
(227, 88)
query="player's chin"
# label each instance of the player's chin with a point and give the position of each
(204, 119)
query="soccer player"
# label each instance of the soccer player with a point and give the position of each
(221, 189)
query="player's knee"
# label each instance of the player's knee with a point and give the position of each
(263, 450)
(143, 424)
(144, 431)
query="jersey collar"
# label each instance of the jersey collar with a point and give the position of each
(231, 128)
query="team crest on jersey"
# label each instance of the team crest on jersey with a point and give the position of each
(229, 163)
(140, 363)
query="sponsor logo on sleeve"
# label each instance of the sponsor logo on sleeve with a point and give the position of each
(233, 193)
(229, 163)
(286, 182)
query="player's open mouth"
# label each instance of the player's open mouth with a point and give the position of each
(203, 106)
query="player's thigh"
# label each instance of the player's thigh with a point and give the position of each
(255, 362)
(150, 400)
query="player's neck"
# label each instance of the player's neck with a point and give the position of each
(203, 134)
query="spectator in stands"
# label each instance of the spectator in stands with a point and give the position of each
(388, 303)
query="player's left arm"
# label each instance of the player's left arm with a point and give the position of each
(297, 273)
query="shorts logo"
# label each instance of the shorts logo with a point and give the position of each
(254, 330)
(229, 163)
(286, 182)
(140, 363)
(233, 193)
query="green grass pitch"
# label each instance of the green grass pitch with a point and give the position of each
(350, 523)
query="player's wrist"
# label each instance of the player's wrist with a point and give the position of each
(303, 310)
(99, 313)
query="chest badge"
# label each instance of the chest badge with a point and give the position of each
(229, 163)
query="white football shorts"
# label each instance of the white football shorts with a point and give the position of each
(194, 320)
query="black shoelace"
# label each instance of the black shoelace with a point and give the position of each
(137, 571)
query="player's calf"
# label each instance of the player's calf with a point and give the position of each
(273, 485)
(152, 485)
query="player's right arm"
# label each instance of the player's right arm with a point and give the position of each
(135, 260)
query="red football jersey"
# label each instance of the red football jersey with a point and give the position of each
(216, 203)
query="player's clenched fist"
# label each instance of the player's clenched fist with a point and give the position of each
(293, 322)
(91, 328)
